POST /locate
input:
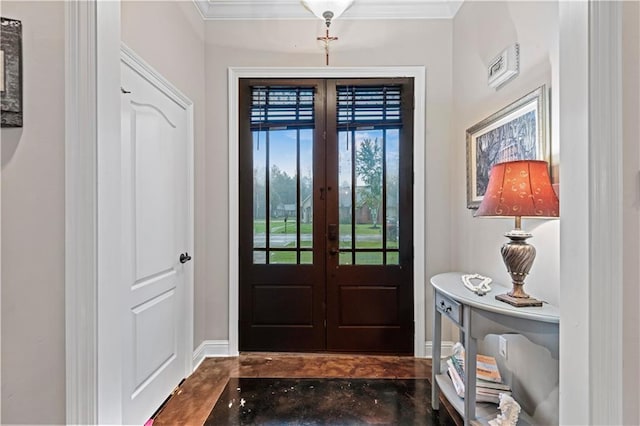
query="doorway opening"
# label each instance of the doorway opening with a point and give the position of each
(326, 215)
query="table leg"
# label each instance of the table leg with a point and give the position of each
(470, 351)
(435, 358)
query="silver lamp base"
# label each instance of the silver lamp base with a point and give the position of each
(518, 256)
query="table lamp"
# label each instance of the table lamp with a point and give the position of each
(519, 189)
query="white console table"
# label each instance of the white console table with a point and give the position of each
(476, 317)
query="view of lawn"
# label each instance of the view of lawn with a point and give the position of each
(279, 226)
(367, 258)
(365, 239)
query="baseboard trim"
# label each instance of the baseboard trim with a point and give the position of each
(446, 349)
(220, 348)
(210, 349)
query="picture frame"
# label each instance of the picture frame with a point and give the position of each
(516, 132)
(11, 72)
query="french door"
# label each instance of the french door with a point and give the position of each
(326, 225)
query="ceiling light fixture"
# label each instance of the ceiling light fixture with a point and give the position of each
(327, 10)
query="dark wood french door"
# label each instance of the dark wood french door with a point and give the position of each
(326, 215)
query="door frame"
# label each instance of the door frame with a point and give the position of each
(94, 307)
(418, 73)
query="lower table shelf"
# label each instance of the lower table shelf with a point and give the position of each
(485, 411)
(477, 317)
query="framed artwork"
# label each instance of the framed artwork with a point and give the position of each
(516, 132)
(11, 72)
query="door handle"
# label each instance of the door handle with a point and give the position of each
(333, 251)
(184, 257)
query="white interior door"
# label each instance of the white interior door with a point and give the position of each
(155, 137)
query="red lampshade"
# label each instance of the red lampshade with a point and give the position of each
(520, 188)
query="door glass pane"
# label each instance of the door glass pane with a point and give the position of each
(345, 258)
(369, 172)
(282, 190)
(282, 122)
(306, 258)
(306, 190)
(369, 168)
(259, 188)
(282, 257)
(392, 169)
(345, 152)
(369, 258)
(259, 257)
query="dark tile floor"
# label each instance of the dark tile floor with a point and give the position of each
(219, 379)
(264, 401)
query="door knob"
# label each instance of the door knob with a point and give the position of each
(333, 251)
(184, 257)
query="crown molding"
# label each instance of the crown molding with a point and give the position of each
(293, 9)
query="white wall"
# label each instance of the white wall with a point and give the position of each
(33, 340)
(293, 43)
(480, 31)
(631, 211)
(170, 37)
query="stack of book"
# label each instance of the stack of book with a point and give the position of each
(488, 380)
